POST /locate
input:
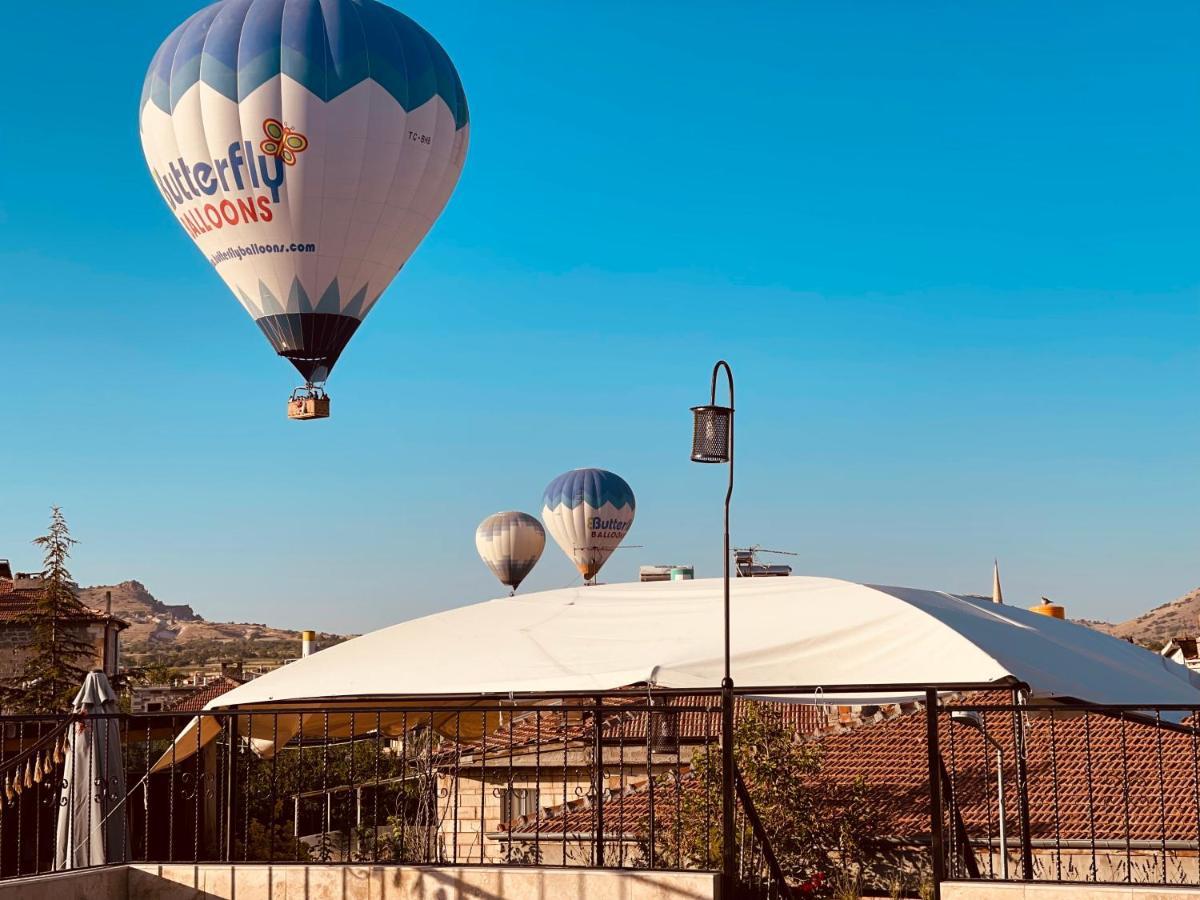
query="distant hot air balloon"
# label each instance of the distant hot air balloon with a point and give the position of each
(588, 512)
(510, 543)
(306, 146)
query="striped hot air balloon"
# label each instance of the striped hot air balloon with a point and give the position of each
(306, 147)
(588, 512)
(510, 543)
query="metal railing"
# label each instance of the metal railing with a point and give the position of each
(884, 797)
(1072, 792)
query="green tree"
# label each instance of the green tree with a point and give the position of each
(59, 654)
(821, 830)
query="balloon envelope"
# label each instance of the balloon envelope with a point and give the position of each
(306, 146)
(588, 513)
(510, 543)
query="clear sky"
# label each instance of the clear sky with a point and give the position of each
(950, 249)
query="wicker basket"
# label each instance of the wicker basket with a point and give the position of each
(308, 408)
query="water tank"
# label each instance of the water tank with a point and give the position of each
(682, 573)
(1046, 608)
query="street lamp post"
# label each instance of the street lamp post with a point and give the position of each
(973, 719)
(712, 442)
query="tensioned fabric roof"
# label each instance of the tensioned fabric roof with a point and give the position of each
(785, 631)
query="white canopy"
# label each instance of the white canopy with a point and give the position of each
(785, 631)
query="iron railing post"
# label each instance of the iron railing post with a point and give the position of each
(598, 778)
(935, 792)
(1019, 739)
(230, 786)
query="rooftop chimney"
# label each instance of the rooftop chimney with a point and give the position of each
(308, 643)
(232, 669)
(997, 594)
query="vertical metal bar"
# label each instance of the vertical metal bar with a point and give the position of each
(21, 794)
(171, 796)
(37, 808)
(1057, 819)
(483, 783)
(727, 763)
(508, 799)
(145, 799)
(598, 780)
(935, 793)
(707, 786)
(353, 832)
(198, 793)
(231, 737)
(375, 792)
(566, 813)
(1195, 734)
(1091, 794)
(1162, 792)
(325, 816)
(457, 765)
(1023, 787)
(126, 848)
(274, 784)
(404, 792)
(298, 786)
(951, 800)
(431, 794)
(248, 777)
(986, 752)
(621, 735)
(648, 718)
(1125, 801)
(537, 790)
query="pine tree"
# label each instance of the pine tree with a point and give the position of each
(59, 655)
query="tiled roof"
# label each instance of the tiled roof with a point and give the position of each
(1090, 778)
(699, 723)
(626, 812)
(16, 604)
(203, 695)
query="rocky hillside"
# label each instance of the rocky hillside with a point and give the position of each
(1159, 625)
(154, 623)
(131, 601)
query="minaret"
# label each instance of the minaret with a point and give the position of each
(997, 594)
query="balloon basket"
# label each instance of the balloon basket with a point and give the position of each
(308, 402)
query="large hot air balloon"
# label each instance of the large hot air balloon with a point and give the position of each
(588, 512)
(510, 543)
(306, 146)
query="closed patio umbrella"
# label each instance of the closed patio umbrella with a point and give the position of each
(91, 816)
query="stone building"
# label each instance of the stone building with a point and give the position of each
(19, 595)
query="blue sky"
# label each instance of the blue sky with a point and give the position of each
(950, 250)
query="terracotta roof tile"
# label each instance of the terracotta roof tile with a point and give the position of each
(695, 719)
(1094, 777)
(203, 695)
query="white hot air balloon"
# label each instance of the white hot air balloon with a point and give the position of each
(306, 147)
(588, 512)
(510, 544)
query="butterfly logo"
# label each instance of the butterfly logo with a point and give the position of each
(282, 141)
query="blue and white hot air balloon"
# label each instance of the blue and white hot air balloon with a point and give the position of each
(510, 543)
(306, 147)
(588, 512)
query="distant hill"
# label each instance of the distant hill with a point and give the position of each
(1157, 626)
(154, 624)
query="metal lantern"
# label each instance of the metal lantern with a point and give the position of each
(710, 434)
